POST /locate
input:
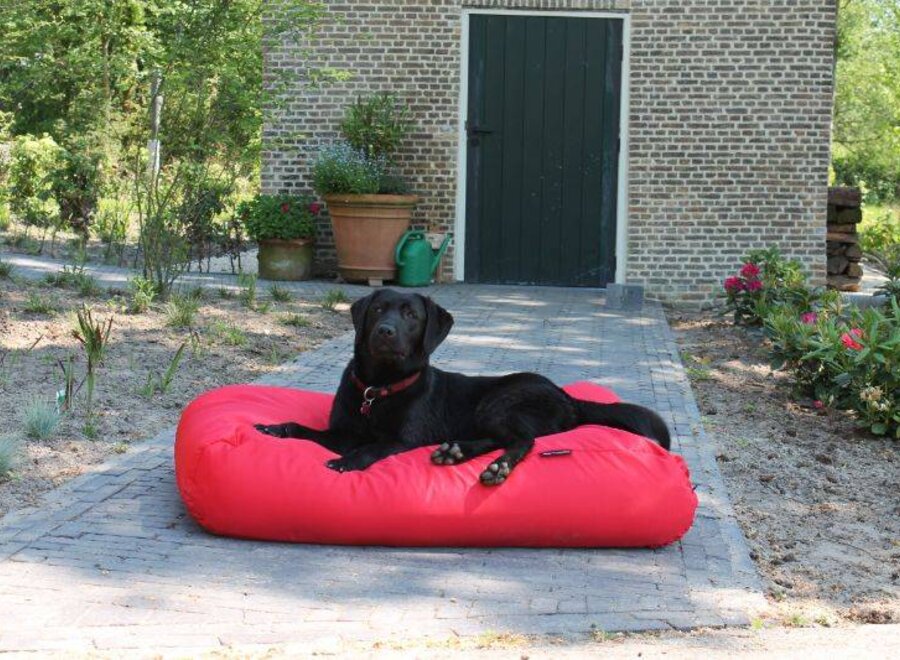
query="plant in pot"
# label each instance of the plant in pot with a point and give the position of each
(369, 205)
(284, 227)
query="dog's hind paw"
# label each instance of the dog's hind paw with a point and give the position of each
(448, 454)
(496, 473)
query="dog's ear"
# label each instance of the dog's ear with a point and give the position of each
(437, 325)
(358, 312)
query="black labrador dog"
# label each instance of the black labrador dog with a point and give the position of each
(391, 400)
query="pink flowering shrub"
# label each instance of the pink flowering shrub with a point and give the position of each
(766, 279)
(847, 359)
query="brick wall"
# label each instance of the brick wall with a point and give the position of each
(729, 122)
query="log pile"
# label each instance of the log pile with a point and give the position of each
(844, 254)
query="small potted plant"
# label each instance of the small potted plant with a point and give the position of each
(284, 227)
(370, 206)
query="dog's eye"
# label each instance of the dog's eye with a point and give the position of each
(410, 313)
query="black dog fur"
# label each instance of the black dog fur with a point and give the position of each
(466, 416)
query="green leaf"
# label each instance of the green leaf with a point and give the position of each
(843, 379)
(879, 428)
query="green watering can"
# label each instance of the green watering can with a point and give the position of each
(416, 259)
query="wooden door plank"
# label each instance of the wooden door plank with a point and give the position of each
(571, 216)
(554, 110)
(474, 162)
(510, 264)
(492, 148)
(611, 100)
(533, 141)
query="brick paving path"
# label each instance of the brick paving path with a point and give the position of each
(112, 561)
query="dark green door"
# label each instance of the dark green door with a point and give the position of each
(542, 149)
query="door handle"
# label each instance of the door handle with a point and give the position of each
(473, 131)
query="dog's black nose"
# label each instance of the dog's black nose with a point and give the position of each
(385, 330)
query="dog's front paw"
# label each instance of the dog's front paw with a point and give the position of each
(275, 430)
(496, 473)
(348, 463)
(448, 454)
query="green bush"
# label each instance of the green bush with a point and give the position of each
(205, 198)
(891, 287)
(340, 169)
(75, 182)
(765, 281)
(143, 293)
(282, 217)
(376, 125)
(111, 223)
(32, 160)
(181, 310)
(847, 360)
(10, 455)
(839, 355)
(40, 419)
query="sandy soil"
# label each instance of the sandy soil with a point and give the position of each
(231, 344)
(816, 497)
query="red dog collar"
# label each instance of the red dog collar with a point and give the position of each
(371, 393)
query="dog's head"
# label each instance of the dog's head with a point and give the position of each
(396, 332)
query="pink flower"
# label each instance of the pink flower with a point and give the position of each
(314, 208)
(750, 270)
(847, 339)
(734, 284)
(818, 405)
(754, 285)
(810, 318)
(285, 207)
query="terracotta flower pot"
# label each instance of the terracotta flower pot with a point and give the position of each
(289, 260)
(366, 231)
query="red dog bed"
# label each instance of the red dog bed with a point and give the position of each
(614, 489)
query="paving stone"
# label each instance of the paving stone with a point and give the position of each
(117, 544)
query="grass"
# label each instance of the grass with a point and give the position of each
(9, 361)
(228, 333)
(156, 383)
(225, 293)
(296, 320)
(697, 368)
(74, 278)
(197, 293)
(796, 621)
(333, 298)
(247, 282)
(276, 355)
(491, 639)
(38, 304)
(120, 447)
(280, 294)
(10, 454)
(40, 419)
(181, 311)
(5, 270)
(143, 293)
(88, 287)
(25, 243)
(89, 428)
(601, 636)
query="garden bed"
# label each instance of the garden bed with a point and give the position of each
(815, 496)
(229, 340)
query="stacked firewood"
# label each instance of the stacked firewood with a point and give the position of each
(844, 254)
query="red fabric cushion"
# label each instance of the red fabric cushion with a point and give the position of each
(614, 490)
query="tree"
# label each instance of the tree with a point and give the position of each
(866, 148)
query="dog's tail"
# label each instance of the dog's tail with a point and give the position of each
(626, 416)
